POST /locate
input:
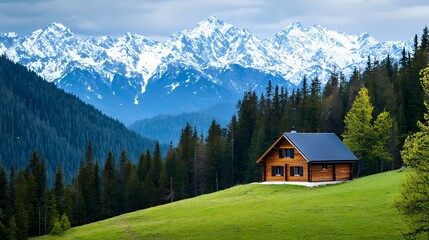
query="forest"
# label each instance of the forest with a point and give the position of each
(35, 115)
(387, 93)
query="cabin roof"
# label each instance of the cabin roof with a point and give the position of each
(321, 146)
(317, 147)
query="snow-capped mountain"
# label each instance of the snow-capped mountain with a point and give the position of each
(132, 77)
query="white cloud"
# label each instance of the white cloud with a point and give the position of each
(385, 19)
(413, 12)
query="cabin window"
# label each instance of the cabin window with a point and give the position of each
(324, 166)
(277, 171)
(296, 171)
(286, 153)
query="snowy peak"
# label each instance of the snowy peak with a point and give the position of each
(214, 58)
(57, 27)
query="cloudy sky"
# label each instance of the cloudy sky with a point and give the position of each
(157, 19)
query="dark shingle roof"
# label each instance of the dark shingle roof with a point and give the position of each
(321, 147)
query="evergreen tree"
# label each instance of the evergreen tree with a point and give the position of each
(233, 153)
(21, 211)
(201, 166)
(58, 189)
(313, 114)
(13, 229)
(124, 173)
(109, 187)
(10, 210)
(183, 183)
(246, 126)
(156, 166)
(65, 223)
(31, 205)
(149, 193)
(97, 193)
(143, 166)
(4, 231)
(3, 189)
(38, 168)
(89, 184)
(332, 107)
(133, 197)
(79, 211)
(216, 176)
(276, 115)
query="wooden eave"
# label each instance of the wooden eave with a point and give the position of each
(274, 144)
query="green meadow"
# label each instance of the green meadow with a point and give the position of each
(361, 209)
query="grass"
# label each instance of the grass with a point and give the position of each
(361, 209)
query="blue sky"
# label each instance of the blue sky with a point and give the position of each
(158, 19)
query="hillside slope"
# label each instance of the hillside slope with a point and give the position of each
(361, 209)
(35, 114)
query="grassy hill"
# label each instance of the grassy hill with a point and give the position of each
(362, 209)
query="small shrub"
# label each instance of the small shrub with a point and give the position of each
(56, 229)
(65, 223)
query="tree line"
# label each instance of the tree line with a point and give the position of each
(29, 208)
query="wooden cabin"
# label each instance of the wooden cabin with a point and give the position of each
(312, 157)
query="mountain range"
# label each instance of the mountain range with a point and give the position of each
(133, 77)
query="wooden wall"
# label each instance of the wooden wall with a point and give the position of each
(272, 159)
(318, 174)
(343, 171)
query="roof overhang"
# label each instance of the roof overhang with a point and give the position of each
(274, 144)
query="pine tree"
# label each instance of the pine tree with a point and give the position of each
(133, 196)
(246, 126)
(4, 230)
(313, 114)
(89, 184)
(58, 189)
(143, 166)
(13, 229)
(38, 168)
(32, 205)
(10, 210)
(79, 211)
(215, 173)
(124, 172)
(97, 193)
(156, 166)
(3, 189)
(21, 211)
(65, 223)
(183, 182)
(109, 186)
(149, 193)
(276, 115)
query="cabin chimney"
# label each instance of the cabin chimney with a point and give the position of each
(293, 130)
